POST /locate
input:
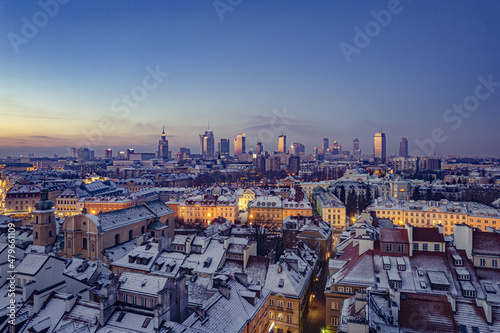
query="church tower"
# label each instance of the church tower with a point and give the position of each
(163, 146)
(44, 225)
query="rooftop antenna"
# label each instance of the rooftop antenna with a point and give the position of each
(209, 125)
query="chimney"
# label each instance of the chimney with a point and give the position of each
(70, 301)
(242, 278)
(164, 243)
(487, 309)
(453, 303)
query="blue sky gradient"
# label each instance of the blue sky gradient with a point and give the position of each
(282, 55)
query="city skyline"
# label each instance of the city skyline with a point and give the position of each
(259, 68)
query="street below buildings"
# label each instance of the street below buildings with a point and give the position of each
(316, 317)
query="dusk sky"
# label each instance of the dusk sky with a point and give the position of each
(257, 67)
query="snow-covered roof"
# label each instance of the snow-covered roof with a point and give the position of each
(32, 263)
(290, 276)
(229, 314)
(126, 216)
(143, 284)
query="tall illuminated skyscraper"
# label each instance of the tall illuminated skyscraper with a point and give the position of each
(259, 149)
(224, 147)
(355, 147)
(239, 144)
(379, 147)
(297, 148)
(282, 143)
(403, 147)
(163, 145)
(326, 145)
(207, 144)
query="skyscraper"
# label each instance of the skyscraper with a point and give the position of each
(259, 149)
(294, 165)
(326, 145)
(403, 147)
(297, 148)
(131, 150)
(207, 144)
(162, 145)
(379, 147)
(108, 153)
(355, 147)
(239, 144)
(224, 147)
(335, 148)
(282, 143)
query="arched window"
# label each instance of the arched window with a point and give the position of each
(130, 235)
(92, 245)
(142, 229)
(36, 235)
(50, 233)
(117, 239)
(50, 218)
(69, 243)
(36, 218)
(84, 244)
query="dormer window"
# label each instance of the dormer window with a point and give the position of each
(387, 263)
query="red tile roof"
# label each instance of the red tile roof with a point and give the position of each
(422, 234)
(426, 313)
(389, 235)
(487, 243)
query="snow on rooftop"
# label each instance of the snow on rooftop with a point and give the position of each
(143, 284)
(32, 263)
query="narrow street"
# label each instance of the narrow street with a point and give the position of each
(317, 312)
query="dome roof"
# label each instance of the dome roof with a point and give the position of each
(44, 203)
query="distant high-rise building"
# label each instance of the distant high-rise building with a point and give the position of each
(259, 148)
(429, 163)
(379, 147)
(282, 143)
(294, 165)
(224, 147)
(297, 148)
(260, 163)
(207, 144)
(121, 155)
(130, 151)
(273, 163)
(239, 144)
(84, 154)
(326, 145)
(183, 154)
(317, 150)
(108, 153)
(335, 148)
(163, 146)
(403, 147)
(355, 148)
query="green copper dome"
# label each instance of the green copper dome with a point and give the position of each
(44, 203)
